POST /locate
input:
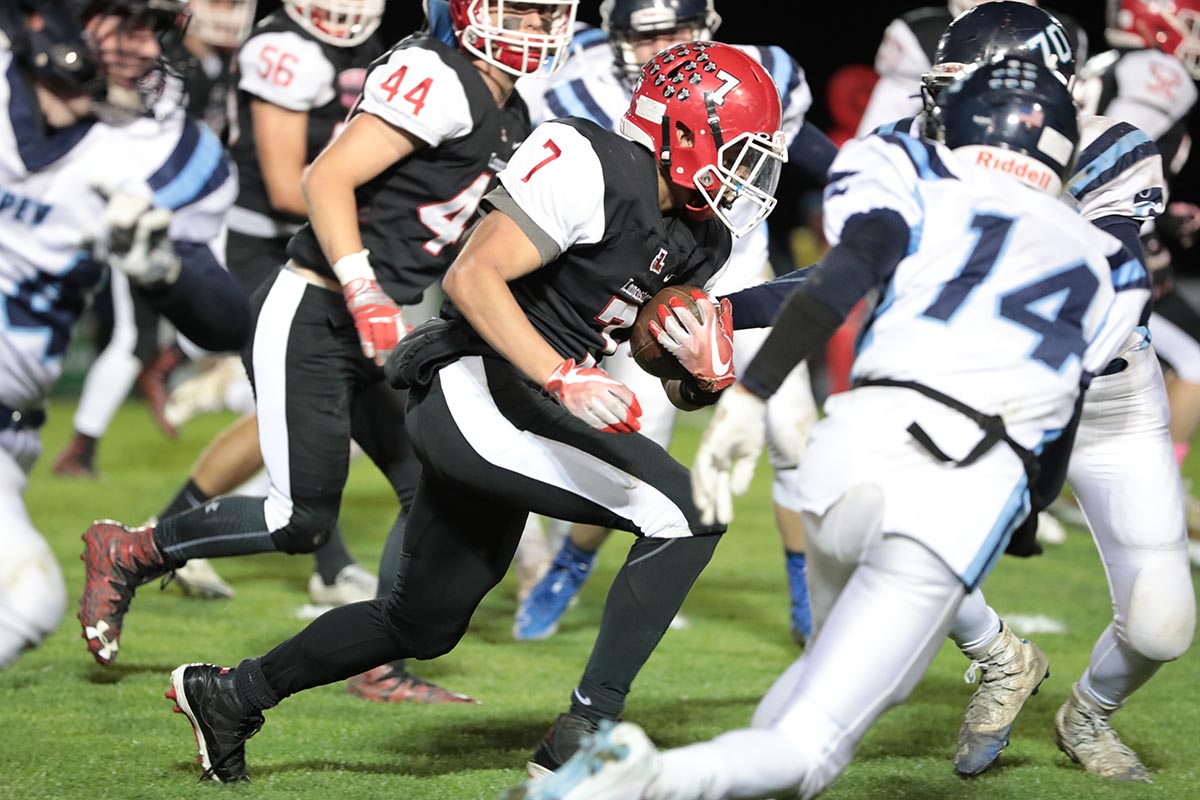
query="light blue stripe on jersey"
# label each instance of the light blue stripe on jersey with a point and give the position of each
(1118, 157)
(572, 99)
(997, 539)
(783, 71)
(1130, 275)
(206, 158)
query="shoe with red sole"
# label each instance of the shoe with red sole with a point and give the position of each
(394, 684)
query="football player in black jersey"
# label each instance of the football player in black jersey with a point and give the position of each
(388, 201)
(298, 74)
(508, 416)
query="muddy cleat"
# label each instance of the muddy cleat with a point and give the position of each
(77, 459)
(221, 722)
(392, 683)
(116, 561)
(617, 762)
(353, 584)
(197, 578)
(152, 383)
(1084, 732)
(1012, 670)
(564, 738)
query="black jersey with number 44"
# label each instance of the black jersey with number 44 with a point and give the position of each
(588, 199)
(413, 216)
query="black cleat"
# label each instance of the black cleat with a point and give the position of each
(222, 723)
(564, 738)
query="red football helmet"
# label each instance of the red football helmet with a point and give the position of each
(343, 23)
(710, 114)
(521, 37)
(1172, 26)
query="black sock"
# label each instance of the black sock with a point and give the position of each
(231, 525)
(645, 596)
(189, 496)
(332, 557)
(87, 448)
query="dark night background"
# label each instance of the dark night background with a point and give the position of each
(822, 36)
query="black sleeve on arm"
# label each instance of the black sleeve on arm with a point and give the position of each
(1129, 232)
(872, 245)
(812, 152)
(756, 306)
(205, 303)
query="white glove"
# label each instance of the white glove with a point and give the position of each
(595, 397)
(137, 241)
(728, 452)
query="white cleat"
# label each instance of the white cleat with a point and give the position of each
(352, 585)
(203, 393)
(1084, 732)
(617, 762)
(1012, 670)
(1050, 531)
(197, 578)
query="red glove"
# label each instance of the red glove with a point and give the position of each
(595, 397)
(704, 346)
(376, 316)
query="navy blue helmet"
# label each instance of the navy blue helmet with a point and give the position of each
(1016, 117)
(56, 52)
(994, 30)
(625, 21)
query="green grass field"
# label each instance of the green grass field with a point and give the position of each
(71, 729)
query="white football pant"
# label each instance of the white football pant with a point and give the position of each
(33, 595)
(810, 722)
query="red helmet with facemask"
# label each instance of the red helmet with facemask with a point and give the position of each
(711, 116)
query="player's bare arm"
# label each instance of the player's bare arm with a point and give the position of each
(363, 150)
(279, 140)
(498, 252)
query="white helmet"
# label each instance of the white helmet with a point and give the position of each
(342, 23)
(221, 23)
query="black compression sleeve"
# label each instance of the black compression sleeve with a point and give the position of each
(205, 303)
(872, 245)
(756, 306)
(812, 151)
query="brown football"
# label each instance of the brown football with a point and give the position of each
(647, 352)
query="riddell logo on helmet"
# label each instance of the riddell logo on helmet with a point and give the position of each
(1019, 167)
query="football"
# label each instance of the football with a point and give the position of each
(646, 351)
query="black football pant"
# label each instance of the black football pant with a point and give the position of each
(314, 391)
(494, 448)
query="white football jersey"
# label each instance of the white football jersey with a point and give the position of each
(48, 212)
(588, 87)
(1006, 297)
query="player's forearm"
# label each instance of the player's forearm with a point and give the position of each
(333, 212)
(481, 293)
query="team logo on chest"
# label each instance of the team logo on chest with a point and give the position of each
(656, 265)
(634, 292)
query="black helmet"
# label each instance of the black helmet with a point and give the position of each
(1016, 117)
